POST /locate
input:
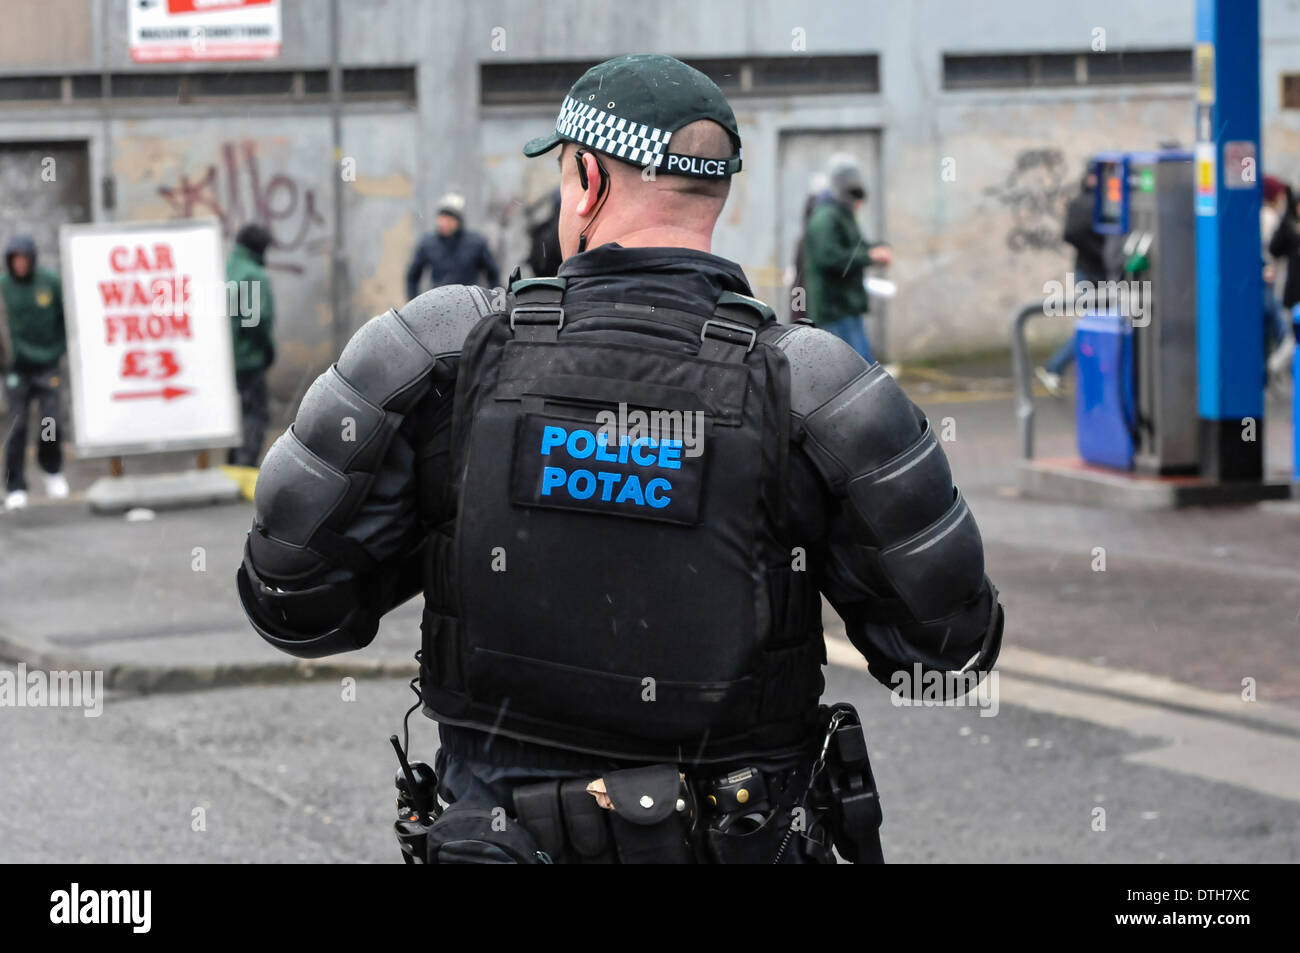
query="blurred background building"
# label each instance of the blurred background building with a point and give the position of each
(973, 121)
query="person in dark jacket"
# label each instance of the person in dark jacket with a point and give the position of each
(453, 255)
(254, 335)
(1279, 344)
(1285, 245)
(835, 257)
(544, 256)
(1089, 266)
(33, 300)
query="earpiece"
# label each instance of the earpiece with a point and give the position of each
(583, 181)
(582, 173)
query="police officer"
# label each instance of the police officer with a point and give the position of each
(622, 496)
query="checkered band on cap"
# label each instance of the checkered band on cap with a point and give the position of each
(633, 141)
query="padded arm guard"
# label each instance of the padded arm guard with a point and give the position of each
(318, 474)
(914, 545)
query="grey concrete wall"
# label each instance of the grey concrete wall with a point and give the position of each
(967, 247)
(279, 170)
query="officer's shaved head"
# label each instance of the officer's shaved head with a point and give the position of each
(638, 202)
(706, 140)
(703, 139)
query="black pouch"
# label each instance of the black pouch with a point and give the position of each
(538, 808)
(645, 822)
(587, 824)
(469, 835)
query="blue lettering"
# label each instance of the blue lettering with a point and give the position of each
(575, 438)
(654, 486)
(622, 449)
(636, 455)
(590, 487)
(551, 437)
(602, 449)
(631, 490)
(607, 480)
(670, 456)
(551, 478)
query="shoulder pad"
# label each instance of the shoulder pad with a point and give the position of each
(559, 284)
(385, 362)
(441, 319)
(821, 365)
(730, 297)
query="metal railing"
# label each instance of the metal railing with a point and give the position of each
(1020, 366)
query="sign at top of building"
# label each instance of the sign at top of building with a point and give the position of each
(178, 30)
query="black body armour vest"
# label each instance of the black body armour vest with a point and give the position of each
(619, 582)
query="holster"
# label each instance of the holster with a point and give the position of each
(850, 791)
(756, 819)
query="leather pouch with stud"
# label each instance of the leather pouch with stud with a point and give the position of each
(647, 826)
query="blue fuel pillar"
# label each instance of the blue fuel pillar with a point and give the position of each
(1229, 325)
(1295, 400)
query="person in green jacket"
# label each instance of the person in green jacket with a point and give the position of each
(835, 255)
(33, 300)
(252, 322)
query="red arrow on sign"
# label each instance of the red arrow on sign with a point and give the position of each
(167, 393)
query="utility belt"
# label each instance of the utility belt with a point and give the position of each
(658, 814)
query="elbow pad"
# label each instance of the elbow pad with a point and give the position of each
(320, 469)
(306, 623)
(877, 452)
(328, 618)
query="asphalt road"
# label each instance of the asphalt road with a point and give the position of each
(1203, 599)
(295, 773)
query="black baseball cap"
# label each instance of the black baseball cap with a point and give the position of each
(629, 107)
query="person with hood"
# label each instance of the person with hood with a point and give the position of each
(33, 300)
(254, 335)
(835, 255)
(453, 255)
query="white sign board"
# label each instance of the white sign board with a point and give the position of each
(149, 338)
(165, 31)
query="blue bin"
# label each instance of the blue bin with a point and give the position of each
(1104, 418)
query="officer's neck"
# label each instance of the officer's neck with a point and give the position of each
(657, 236)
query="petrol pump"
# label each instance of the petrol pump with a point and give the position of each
(1170, 407)
(1136, 347)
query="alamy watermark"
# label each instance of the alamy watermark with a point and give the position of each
(658, 428)
(1072, 299)
(131, 908)
(137, 311)
(935, 689)
(57, 689)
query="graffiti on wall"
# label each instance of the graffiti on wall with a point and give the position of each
(237, 190)
(1036, 190)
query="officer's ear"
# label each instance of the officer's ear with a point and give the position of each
(591, 179)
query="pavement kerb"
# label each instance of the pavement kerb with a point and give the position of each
(1139, 687)
(150, 679)
(1035, 666)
